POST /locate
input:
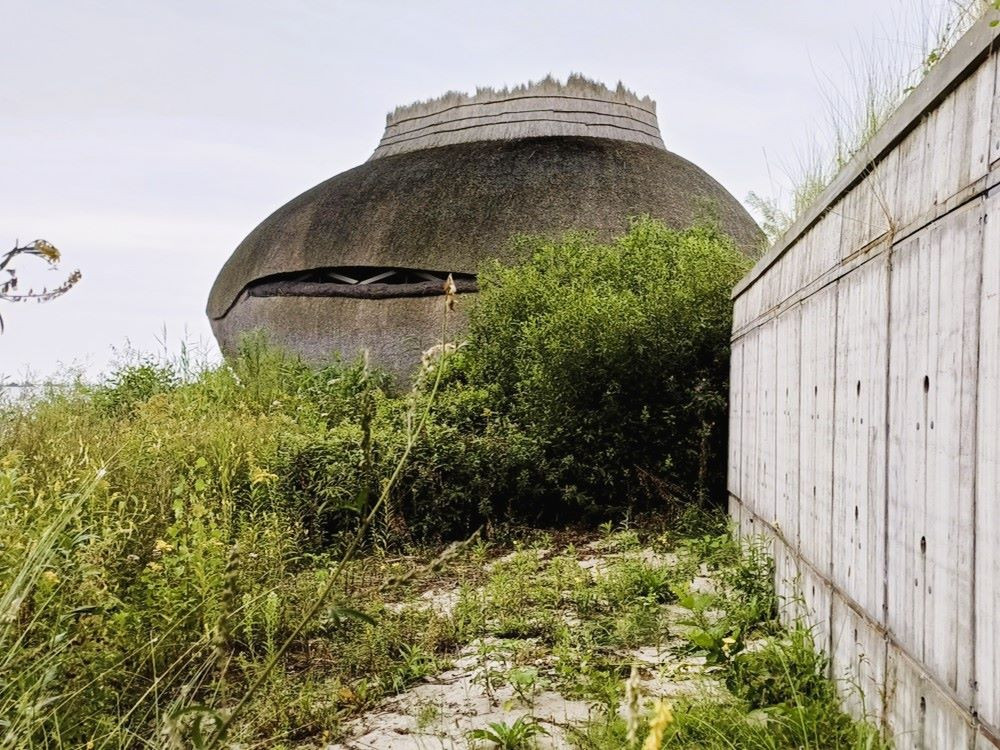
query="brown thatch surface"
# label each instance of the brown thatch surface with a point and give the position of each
(451, 208)
(394, 332)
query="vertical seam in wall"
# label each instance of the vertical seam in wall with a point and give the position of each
(886, 480)
(933, 271)
(798, 442)
(833, 461)
(739, 474)
(774, 429)
(980, 252)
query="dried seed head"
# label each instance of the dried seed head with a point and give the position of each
(46, 250)
(450, 291)
(632, 706)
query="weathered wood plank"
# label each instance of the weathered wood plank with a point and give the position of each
(962, 146)
(748, 424)
(823, 242)
(816, 400)
(860, 451)
(741, 314)
(867, 209)
(766, 422)
(914, 191)
(934, 311)
(987, 564)
(786, 459)
(792, 271)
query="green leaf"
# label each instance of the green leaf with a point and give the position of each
(346, 613)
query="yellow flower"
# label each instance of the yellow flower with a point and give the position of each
(161, 547)
(50, 577)
(727, 645)
(261, 476)
(154, 566)
(662, 718)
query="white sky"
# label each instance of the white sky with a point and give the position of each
(146, 139)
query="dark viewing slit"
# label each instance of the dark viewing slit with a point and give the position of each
(360, 282)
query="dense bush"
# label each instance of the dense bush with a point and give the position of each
(472, 466)
(613, 358)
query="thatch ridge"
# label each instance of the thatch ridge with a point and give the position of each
(576, 85)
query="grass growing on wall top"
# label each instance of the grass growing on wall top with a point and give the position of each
(881, 73)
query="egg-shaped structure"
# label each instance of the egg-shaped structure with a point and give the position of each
(357, 262)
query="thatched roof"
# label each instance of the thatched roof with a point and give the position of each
(450, 208)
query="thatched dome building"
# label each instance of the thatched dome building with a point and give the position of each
(357, 262)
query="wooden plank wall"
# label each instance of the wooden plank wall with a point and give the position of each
(865, 415)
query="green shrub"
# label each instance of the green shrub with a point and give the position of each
(472, 466)
(613, 358)
(129, 386)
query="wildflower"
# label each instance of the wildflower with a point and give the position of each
(154, 566)
(50, 577)
(662, 718)
(727, 645)
(161, 547)
(261, 476)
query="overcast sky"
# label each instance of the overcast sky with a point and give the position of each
(146, 139)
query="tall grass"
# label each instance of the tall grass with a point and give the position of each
(881, 71)
(168, 544)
